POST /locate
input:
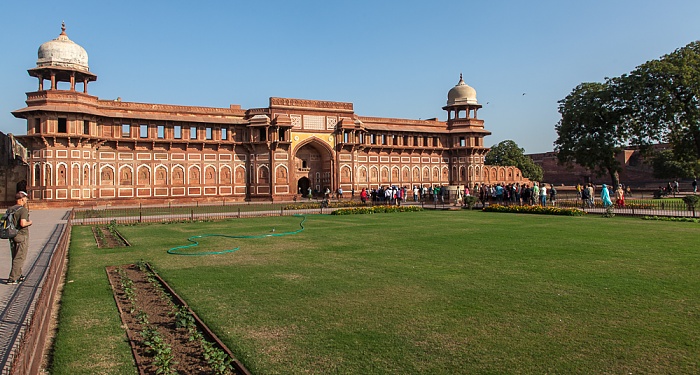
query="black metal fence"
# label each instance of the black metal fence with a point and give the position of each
(227, 210)
(643, 206)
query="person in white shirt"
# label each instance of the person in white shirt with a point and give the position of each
(389, 195)
(543, 194)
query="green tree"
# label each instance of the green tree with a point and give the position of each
(591, 132)
(667, 166)
(661, 101)
(508, 153)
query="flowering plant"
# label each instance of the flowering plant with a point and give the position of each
(375, 210)
(547, 210)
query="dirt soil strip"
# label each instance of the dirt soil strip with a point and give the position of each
(188, 355)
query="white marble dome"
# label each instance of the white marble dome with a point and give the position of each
(461, 94)
(62, 52)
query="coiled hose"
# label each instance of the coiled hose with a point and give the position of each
(178, 249)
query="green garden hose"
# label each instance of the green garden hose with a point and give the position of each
(176, 250)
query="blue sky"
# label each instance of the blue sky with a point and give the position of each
(389, 58)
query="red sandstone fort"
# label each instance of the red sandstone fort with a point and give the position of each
(85, 149)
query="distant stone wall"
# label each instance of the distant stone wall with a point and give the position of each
(13, 167)
(636, 171)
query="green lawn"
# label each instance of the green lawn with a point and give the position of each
(432, 292)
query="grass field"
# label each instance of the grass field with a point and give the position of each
(411, 293)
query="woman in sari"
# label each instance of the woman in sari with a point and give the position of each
(605, 196)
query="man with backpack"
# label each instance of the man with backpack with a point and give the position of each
(20, 243)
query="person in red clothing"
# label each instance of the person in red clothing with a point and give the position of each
(620, 196)
(363, 195)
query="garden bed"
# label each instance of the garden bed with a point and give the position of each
(166, 337)
(107, 236)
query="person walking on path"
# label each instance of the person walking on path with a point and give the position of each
(19, 244)
(591, 195)
(605, 196)
(620, 196)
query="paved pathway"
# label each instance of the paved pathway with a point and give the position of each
(16, 301)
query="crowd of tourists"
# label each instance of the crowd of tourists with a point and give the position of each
(396, 194)
(587, 195)
(528, 194)
(501, 193)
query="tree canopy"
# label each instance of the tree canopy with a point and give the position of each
(667, 166)
(508, 153)
(659, 101)
(590, 131)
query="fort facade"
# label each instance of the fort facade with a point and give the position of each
(83, 149)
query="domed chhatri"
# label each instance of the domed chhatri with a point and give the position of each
(61, 60)
(461, 94)
(62, 52)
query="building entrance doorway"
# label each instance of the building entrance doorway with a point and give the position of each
(303, 186)
(312, 163)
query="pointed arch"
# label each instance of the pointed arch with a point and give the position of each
(362, 174)
(178, 175)
(384, 174)
(315, 141)
(75, 174)
(160, 175)
(263, 174)
(210, 175)
(87, 181)
(107, 175)
(48, 169)
(194, 175)
(240, 175)
(281, 175)
(61, 174)
(395, 174)
(37, 174)
(374, 174)
(345, 174)
(143, 175)
(126, 173)
(225, 175)
(405, 173)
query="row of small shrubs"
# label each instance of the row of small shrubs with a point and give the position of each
(375, 210)
(312, 205)
(668, 218)
(599, 204)
(548, 210)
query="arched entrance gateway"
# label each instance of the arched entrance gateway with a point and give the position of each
(313, 165)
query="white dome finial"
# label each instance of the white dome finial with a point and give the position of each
(62, 52)
(461, 93)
